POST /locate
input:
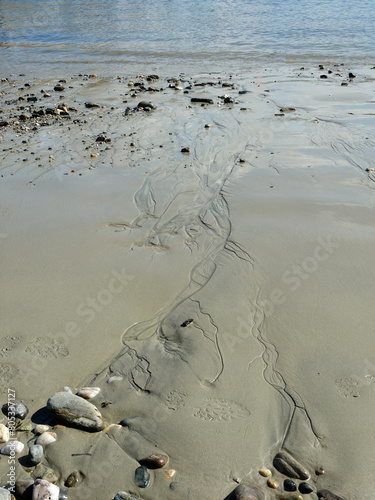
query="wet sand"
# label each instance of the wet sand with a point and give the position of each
(262, 234)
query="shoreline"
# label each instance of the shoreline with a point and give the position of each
(206, 264)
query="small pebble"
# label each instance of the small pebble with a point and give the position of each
(88, 392)
(142, 477)
(155, 461)
(305, 488)
(74, 479)
(4, 433)
(123, 495)
(91, 105)
(46, 438)
(170, 473)
(290, 485)
(272, 483)
(265, 472)
(185, 150)
(319, 471)
(17, 410)
(12, 447)
(58, 88)
(245, 492)
(35, 454)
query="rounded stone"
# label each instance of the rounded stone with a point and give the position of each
(305, 488)
(142, 477)
(271, 483)
(5, 494)
(154, 461)
(265, 472)
(290, 485)
(289, 466)
(74, 479)
(35, 454)
(245, 492)
(76, 411)
(17, 410)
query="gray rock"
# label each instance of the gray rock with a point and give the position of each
(75, 411)
(16, 409)
(4, 494)
(245, 492)
(287, 465)
(63, 494)
(142, 477)
(35, 454)
(328, 495)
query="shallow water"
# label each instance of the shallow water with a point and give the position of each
(76, 35)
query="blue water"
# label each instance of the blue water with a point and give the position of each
(44, 36)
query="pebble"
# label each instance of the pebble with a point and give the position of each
(271, 483)
(4, 433)
(142, 477)
(145, 105)
(91, 105)
(24, 488)
(286, 464)
(185, 150)
(88, 392)
(3, 123)
(76, 411)
(202, 100)
(328, 495)
(58, 88)
(245, 492)
(170, 473)
(74, 479)
(63, 494)
(35, 454)
(46, 438)
(40, 428)
(323, 76)
(187, 323)
(5, 494)
(290, 496)
(17, 410)
(290, 485)
(305, 488)
(44, 490)
(125, 422)
(123, 495)
(287, 110)
(13, 447)
(155, 461)
(265, 472)
(351, 75)
(319, 471)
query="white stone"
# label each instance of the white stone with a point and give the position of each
(44, 490)
(40, 428)
(88, 392)
(46, 438)
(12, 447)
(4, 433)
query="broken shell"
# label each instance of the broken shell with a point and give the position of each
(4, 433)
(265, 472)
(40, 428)
(88, 392)
(170, 473)
(12, 447)
(46, 438)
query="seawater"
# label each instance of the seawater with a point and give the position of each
(113, 36)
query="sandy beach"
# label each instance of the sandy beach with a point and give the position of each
(200, 248)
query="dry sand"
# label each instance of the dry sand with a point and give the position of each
(263, 235)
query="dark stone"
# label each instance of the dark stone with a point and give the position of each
(245, 492)
(145, 105)
(63, 494)
(3, 123)
(287, 465)
(125, 422)
(202, 100)
(186, 323)
(243, 92)
(24, 117)
(328, 495)
(32, 99)
(351, 75)
(290, 485)
(323, 76)
(100, 138)
(228, 100)
(288, 110)
(319, 471)
(305, 488)
(155, 461)
(58, 88)
(150, 78)
(142, 477)
(90, 105)
(185, 150)
(24, 488)
(17, 410)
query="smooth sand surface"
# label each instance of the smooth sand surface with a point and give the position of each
(263, 235)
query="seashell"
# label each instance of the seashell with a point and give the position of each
(88, 392)
(43, 490)
(12, 447)
(40, 428)
(170, 473)
(265, 472)
(114, 378)
(272, 484)
(46, 438)
(4, 433)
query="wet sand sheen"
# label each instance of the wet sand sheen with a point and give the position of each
(261, 235)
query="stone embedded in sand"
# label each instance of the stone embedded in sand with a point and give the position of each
(245, 492)
(88, 392)
(91, 105)
(46, 438)
(35, 454)
(16, 410)
(286, 464)
(202, 100)
(265, 472)
(74, 479)
(328, 495)
(155, 461)
(15, 447)
(145, 105)
(44, 490)
(319, 471)
(4, 433)
(305, 488)
(58, 88)
(123, 495)
(142, 477)
(290, 496)
(290, 485)
(76, 411)
(271, 483)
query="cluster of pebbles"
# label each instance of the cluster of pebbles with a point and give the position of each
(74, 410)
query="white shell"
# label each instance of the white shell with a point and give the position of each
(88, 392)
(46, 438)
(12, 447)
(114, 378)
(40, 428)
(43, 490)
(4, 433)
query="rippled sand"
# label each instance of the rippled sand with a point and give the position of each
(262, 235)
